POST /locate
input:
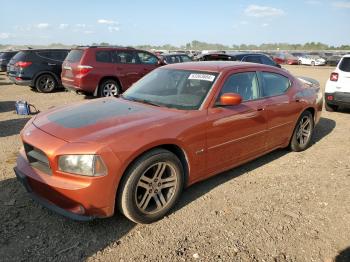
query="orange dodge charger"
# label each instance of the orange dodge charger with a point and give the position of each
(178, 125)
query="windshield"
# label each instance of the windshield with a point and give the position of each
(181, 89)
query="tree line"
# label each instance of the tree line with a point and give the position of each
(198, 45)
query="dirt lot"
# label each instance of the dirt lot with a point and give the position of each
(281, 207)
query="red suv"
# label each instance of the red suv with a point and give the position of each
(105, 71)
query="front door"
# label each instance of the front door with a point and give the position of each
(236, 133)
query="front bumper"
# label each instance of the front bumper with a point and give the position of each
(338, 98)
(24, 181)
(81, 195)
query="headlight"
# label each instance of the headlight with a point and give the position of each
(85, 165)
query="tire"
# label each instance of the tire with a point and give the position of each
(142, 196)
(312, 63)
(302, 134)
(331, 108)
(46, 83)
(299, 62)
(109, 87)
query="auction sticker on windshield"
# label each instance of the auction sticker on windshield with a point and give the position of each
(205, 77)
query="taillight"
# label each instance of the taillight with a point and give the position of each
(84, 69)
(23, 64)
(334, 77)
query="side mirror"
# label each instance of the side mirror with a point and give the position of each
(278, 65)
(229, 99)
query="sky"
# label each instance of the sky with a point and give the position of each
(176, 22)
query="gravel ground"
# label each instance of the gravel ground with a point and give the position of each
(281, 207)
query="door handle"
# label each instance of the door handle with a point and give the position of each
(260, 109)
(51, 64)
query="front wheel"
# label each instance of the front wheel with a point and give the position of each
(46, 83)
(303, 131)
(109, 87)
(151, 186)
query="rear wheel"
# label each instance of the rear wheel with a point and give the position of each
(151, 186)
(109, 87)
(46, 83)
(331, 108)
(303, 132)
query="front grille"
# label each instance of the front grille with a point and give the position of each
(37, 159)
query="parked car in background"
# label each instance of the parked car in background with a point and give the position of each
(333, 60)
(337, 91)
(311, 60)
(297, 54)
(178, 125)
(243, 57)
(173, 58)
(5, 58)
(39, 68)
(105, 70)
(285, 58)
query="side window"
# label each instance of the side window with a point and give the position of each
(274, 84)
(147, 58)
(44, 54)
(244, 84)
(253, 59)
(103, 56)
(265, 60)
(124, 57)
(185, 58)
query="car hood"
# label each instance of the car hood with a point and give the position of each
(95, 120)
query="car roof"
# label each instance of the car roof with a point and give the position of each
(45, 49)
(169, 54)
(214, 66)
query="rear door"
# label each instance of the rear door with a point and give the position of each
(53, 60)
(282, 111)
(127, 67)
(344, 75)
(147, 61)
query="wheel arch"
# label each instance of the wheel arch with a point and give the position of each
(104, 78)
(173, 148)
(37, 75)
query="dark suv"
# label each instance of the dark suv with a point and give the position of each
(106, 70)
(39, 68)
(173, 58)
(243, 57)
(5, 58)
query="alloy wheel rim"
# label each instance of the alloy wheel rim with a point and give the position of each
(156, 187)
(46, 83)
(304, 131)
(110, 90)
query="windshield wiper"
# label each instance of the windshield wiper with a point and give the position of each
(144, 101)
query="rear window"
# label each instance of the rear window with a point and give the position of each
(74, 55)
(345, 64)
(20, 56)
